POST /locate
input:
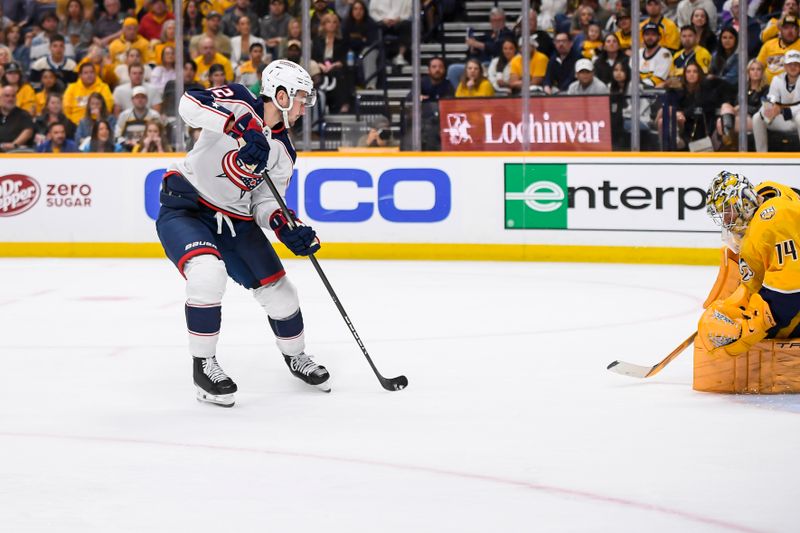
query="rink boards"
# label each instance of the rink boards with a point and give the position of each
(500, 206)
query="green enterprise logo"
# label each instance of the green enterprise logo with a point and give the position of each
(536, 196)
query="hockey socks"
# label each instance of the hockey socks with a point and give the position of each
(203, 323)
(289, 333)
(213, 385)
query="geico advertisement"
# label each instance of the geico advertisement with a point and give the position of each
(597, 196)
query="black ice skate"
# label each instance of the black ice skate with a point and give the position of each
(213, 385)
(304, 368)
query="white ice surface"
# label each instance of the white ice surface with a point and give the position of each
(510, 422)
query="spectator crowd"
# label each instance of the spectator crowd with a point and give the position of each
(99, 75)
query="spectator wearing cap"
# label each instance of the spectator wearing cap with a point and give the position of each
(208, 56)
(686, 8)
(123, 93)
(586, 84)
(132, 122)
(151, 24)
(222, 44)
(129, 38)
(691, 52)
(40, 43)
(57, 141)
(790, 7)
(108, 25)
(473, 83)
(76, 97)
(26, 97)
(57, 61)
(773, 51)
(607, 57)
(753, 28)
(537, 67)
(16, 125)
(499, 72)
(488, 46)
(624, 26)
(241, 44)
(668, 30)
(233, 16)
(319, 8)
(246, 72)
(294, 53)
(561, 66)
(655, 61)
(775, 114)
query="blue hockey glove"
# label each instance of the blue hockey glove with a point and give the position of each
(302, 240)
(255, 150)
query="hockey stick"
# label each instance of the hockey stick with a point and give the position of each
(391, 384)
(638, 371)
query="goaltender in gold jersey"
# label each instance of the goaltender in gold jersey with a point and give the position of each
(762, 225)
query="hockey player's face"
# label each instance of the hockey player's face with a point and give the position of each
(298, 107)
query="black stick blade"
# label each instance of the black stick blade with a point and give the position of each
(393, 384)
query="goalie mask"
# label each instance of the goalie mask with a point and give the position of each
(731, 202)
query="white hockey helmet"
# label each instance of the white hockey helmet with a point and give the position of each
(290, 76)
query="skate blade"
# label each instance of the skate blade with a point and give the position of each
(223, 400)
(324, 387)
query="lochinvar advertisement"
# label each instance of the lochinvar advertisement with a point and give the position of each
(555, 123)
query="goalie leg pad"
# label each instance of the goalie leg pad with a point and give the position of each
(205, 285)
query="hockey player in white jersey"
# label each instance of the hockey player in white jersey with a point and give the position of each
(213, 208)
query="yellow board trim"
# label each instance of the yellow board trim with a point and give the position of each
(402, 251)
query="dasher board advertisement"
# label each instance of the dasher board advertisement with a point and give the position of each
(562, 123)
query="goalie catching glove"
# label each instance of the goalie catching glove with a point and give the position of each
(301, 240)
(251, 158)
(735, 324)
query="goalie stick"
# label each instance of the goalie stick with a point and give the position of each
(638, 371)
(390, 384)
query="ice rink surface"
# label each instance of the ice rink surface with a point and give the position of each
(510, 422)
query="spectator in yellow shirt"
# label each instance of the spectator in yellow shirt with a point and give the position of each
(790, 7)
(209, 56)
(772, 51)
(538, 67)
(691, 53)
(26, 97)
(624, 25)
(473, 83)
(670, 36)
(130, 38)
(77, 94)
